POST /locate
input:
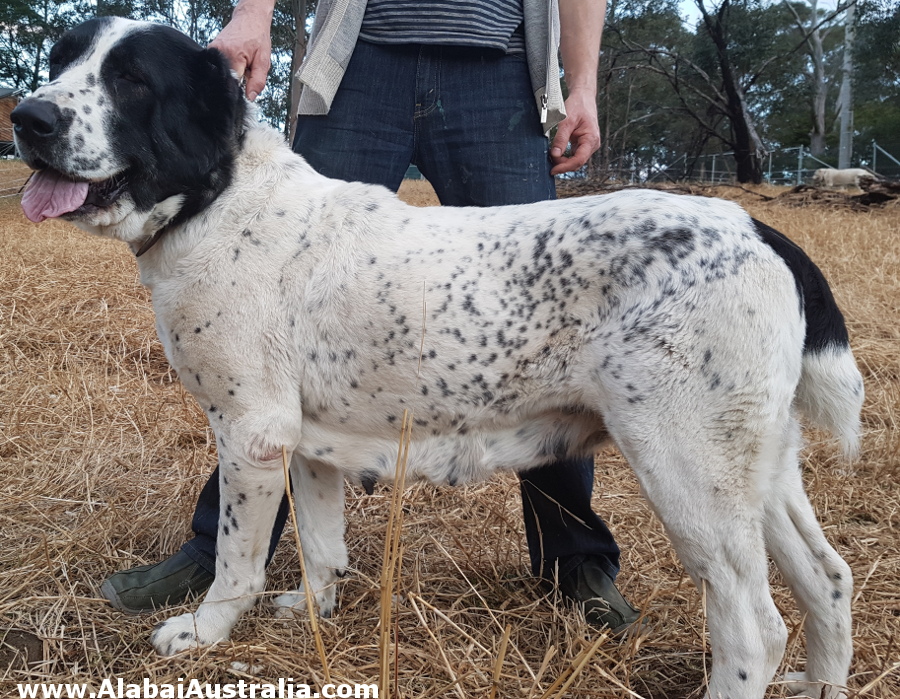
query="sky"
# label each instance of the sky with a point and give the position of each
(689, 9)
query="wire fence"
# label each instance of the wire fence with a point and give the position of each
(13, 172)
(13, 176)
(784, 166)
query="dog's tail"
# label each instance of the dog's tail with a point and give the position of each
(830, 393)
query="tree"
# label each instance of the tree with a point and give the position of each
(289, 36)
(814, 27)
(815, 40)
(641, 121)
(876, 82)
(750, 77)
(846, 99)
(723, 26)
(28, 28)
(729, 59)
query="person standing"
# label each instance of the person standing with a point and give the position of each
(467, 91)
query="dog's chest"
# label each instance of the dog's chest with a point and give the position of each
(214, 337)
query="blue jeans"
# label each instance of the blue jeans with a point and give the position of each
(467, 118)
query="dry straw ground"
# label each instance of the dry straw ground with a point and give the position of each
(102, 454)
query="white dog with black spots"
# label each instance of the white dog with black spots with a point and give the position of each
(294, 308)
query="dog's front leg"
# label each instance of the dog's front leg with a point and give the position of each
(250, 493)
(319, 502)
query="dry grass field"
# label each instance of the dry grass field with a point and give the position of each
(102, 454)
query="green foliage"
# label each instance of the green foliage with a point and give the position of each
(28, 28)
(660, 83)
(641, 120)
(877, 77)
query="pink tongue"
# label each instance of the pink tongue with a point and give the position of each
(49, 194)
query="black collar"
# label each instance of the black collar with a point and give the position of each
(152, 240)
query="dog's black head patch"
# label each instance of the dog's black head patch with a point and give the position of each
(135, 113)
(176, 115)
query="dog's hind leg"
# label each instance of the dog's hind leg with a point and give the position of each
(250, 493)
(819, 578)
(706, 495)
(319, 502)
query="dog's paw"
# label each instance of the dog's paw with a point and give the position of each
(798, 686)
(291, 604)
(178, 634)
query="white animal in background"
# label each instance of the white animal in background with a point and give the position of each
(832, 177)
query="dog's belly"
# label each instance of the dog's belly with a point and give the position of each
(457, 455)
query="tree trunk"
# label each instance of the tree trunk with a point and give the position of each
(36, 77)
(846, 96)
(747, 145)
(820, 89)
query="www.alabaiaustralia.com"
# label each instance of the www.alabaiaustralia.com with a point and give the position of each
(118, 688)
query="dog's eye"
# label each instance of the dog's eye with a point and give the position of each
(130, 78)
(128, 83)
(57, 61)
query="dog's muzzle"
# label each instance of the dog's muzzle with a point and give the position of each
(36, 127)
(35, 119)
(39, 128)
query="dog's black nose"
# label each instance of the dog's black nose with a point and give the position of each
(35, 119)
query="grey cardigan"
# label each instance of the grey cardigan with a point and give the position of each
(336, 29)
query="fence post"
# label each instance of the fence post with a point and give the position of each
(799, 164)
(874, 156)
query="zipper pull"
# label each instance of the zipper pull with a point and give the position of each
(544, 100)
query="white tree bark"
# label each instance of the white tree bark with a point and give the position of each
(820, 91)
(845, 101)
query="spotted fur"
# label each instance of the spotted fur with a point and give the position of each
(309, 313)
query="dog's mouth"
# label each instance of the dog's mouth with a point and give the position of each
(51, 194)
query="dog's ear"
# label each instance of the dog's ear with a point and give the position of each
(213, 109)
(219, 101)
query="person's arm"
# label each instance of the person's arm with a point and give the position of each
(581, 25)
(246, 42)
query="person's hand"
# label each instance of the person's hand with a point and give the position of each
(580, 128)
(247, 44)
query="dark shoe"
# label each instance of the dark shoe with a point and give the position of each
(146, 588)
(603, 604)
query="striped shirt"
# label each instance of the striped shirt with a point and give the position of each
(493, 24)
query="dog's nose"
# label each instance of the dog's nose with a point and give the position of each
(35, 119)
